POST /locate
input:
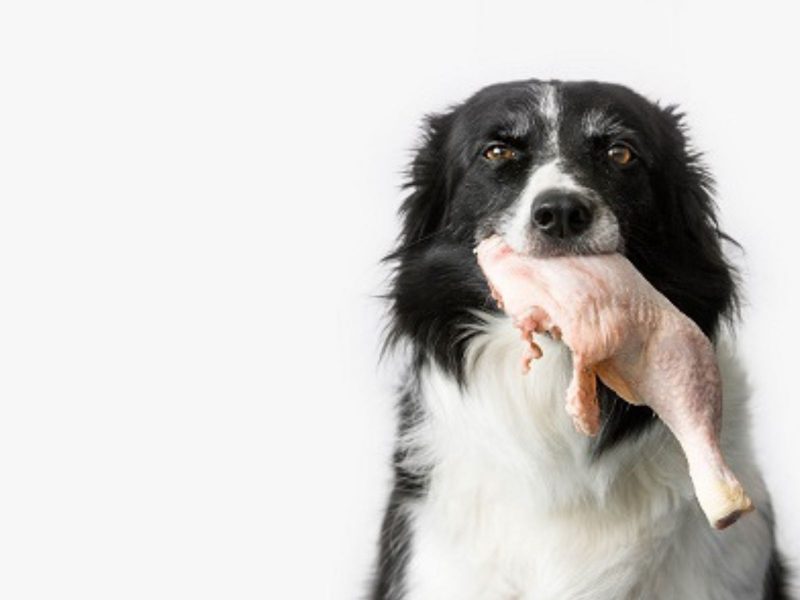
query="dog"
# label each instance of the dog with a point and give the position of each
(496, 496)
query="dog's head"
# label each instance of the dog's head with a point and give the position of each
(573, 168)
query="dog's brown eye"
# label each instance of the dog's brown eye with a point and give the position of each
(499, 152)
(620, 154)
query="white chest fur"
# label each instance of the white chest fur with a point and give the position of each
(518, 509)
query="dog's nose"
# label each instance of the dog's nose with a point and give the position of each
(561, 214)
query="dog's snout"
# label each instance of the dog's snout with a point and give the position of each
(561, 214)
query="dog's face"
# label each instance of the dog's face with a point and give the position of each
(557, 168)
(560, 168)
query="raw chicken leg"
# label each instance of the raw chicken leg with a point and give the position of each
(622, 330)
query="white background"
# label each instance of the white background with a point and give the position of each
(194, 197)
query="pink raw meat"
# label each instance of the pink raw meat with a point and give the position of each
(622, 330)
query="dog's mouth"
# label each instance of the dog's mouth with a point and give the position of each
(544, 247)
(603, 237)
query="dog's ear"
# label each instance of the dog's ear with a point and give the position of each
(429, 181)
(692, 230)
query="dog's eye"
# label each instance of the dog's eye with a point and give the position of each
(621, 154)
(499, 152)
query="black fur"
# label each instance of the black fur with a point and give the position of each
(776, 579)
(776, 585)
(666, 216)
(395, 535)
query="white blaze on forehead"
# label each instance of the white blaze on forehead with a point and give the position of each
(546, 177)
(550, 110)
(548, 103)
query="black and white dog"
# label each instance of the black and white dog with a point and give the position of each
(496, 496)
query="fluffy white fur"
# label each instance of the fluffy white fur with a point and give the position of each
(517, 509)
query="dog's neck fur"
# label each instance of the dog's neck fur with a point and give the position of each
(517, 506)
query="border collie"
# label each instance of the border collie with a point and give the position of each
(496, 496)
